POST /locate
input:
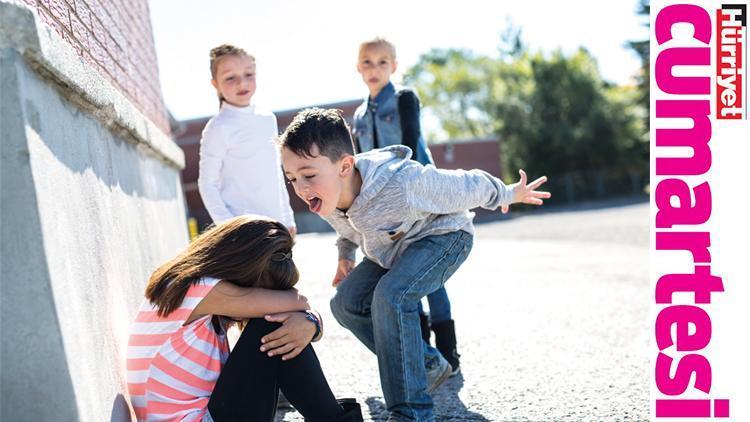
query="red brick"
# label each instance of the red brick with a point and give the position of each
(59, 10)
(98, 30)
(118, 53)
(80, 32)
(83, 11)
(97, 51)
(115, 37)
(46, 17)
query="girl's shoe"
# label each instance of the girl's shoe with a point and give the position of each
(445, 341)
(352, 411)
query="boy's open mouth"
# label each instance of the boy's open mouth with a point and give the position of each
(315, 204)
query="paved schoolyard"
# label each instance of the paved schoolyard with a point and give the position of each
(551, 311)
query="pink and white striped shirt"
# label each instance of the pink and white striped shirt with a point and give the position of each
(172, 368)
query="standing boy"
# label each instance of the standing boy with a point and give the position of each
(413, 225)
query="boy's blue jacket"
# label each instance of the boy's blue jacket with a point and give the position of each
(401, 201)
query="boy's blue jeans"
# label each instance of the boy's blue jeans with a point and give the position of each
(380, 307)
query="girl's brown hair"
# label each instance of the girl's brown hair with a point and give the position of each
(217, 53)
(247, 251)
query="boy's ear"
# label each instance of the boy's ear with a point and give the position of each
(394, 67)
(347, 165)
(215, 84)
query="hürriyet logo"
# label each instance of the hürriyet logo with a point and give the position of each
(731, 33)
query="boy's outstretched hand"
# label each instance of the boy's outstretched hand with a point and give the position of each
(527, 194)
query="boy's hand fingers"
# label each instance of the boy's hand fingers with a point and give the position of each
(337, 279)
(534, 201)
(523, 177)
(538, 182)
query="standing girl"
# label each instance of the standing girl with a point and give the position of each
(179, 364)
(240, 169)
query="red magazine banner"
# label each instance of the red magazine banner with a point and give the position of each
(700, 146)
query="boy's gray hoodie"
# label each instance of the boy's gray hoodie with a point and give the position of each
(401, 201)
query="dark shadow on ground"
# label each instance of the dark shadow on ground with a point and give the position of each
(376, 408)
(448, 406)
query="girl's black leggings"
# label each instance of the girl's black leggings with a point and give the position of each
(248, 385)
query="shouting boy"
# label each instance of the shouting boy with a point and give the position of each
(414, 228)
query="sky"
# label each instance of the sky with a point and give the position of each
(306, 50)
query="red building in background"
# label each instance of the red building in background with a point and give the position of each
(483, 154)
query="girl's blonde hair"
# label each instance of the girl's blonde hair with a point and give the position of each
(247, 251)
(217, 53)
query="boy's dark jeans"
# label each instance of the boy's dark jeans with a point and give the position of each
(380, 307)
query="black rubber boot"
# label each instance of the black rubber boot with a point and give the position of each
(424, 325)
(445, 341)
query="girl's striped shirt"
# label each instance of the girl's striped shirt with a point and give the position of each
(172, 368)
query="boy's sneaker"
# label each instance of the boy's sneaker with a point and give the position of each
(438, 374)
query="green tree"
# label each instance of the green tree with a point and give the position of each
(552, 112)
(455, 85)
(641, 48)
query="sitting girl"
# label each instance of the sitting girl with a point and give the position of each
(179, 364)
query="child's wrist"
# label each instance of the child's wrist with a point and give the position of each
(312, 317)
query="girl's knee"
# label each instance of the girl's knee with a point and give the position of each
(260, 326)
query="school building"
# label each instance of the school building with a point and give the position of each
(466, 154)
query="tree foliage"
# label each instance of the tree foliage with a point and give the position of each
(641, 48)
(552, 112)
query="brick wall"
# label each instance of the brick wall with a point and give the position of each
(115, 38)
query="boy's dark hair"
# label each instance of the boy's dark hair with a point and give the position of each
(325, 128)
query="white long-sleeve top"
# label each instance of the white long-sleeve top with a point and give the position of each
(240, 166)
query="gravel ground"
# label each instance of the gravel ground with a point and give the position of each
(551, 310)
